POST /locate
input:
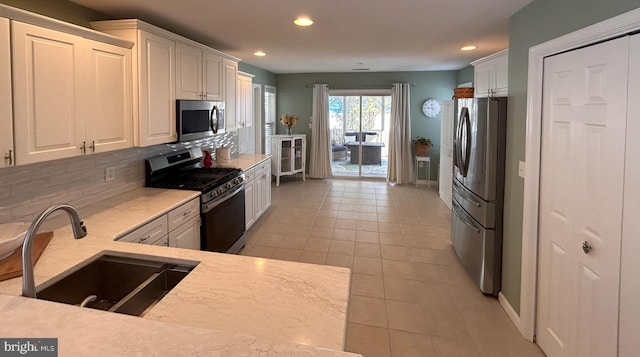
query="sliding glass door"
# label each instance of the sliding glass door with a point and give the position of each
(359, 132)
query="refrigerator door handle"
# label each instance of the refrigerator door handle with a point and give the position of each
(465, 195)
(463, 216)
(467, 133)
(457, 143)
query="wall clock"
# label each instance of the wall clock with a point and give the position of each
(431, 108)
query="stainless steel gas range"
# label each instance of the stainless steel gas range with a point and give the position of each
(221, 201)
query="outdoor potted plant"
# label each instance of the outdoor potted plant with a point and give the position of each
(422, 146)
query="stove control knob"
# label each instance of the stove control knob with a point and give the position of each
(213, 194)
(228, 185)
(220, 190)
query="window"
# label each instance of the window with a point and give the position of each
(269, 116)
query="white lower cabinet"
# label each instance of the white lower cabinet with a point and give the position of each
(179, 228)
(187, 235)
(257, 191)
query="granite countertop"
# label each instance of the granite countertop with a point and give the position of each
(225, 295)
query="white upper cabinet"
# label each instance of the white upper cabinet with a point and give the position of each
(6, 109)
(491, 75)
(213, 84)
(188, 72)
(244, 99)
(198, 73)
(109, 109)
(153, 71)
(156, 78)
(48, 89)
(167, 67)
(230, 84)
(71, 95)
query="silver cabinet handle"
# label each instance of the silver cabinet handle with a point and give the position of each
(93, 146)
(83, 147)
(586, 248)
(9, 157)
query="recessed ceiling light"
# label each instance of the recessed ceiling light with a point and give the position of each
(259, 53)
(303, 21)
(468, 48)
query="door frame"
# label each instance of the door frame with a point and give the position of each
(604, 30)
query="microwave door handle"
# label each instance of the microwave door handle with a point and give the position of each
(214, 119)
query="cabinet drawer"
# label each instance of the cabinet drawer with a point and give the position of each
(149, 233)
(183, 213)
(265, 165)
(163, 241)
(249, 174)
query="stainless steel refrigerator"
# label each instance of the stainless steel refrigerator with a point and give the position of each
(478, 188)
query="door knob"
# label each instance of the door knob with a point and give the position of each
(586, 248)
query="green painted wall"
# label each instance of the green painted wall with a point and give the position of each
(60, 9)
(538, 22)
(295, 93)
(465, 75)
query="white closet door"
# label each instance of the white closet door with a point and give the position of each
(629, 280)
(581, 189)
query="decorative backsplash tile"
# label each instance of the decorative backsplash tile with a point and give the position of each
(27, 190)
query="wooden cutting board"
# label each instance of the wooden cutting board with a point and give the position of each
(11, 266)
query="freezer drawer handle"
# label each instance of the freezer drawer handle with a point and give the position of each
(586, 248)
(466, 196)
(463, 217)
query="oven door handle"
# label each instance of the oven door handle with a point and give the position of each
(206, 207)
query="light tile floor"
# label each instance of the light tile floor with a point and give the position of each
(409, 294)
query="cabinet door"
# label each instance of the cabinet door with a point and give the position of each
(230, 83)
(298, 154)
(267, 187)
(188, 72)
(259, 195)
(157, 109)
(247, 101)
(502, 77)
(482, 81)
(187, 235)
(47, 94)
(109, 110)
(213, 74)
(6, 111)
(249, 203)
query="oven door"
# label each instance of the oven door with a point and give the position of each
(223, 223)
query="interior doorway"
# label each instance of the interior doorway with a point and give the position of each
(359, 123)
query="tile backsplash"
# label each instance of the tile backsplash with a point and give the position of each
(27, 190)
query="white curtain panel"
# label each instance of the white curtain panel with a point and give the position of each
(400, 166)
(320, 157)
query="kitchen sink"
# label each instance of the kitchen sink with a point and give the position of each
(119, 282)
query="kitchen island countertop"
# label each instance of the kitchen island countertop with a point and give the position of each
(230, 302)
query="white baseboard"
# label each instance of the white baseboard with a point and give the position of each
(513, 315)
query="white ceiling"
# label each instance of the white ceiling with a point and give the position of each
(381, 35)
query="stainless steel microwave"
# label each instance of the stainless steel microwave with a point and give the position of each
(198, 119)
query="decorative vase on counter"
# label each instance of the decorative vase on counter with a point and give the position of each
(289, 131)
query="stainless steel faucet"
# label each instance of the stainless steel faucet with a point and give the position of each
(79, 231)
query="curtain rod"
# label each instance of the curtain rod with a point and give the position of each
(376, 86)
